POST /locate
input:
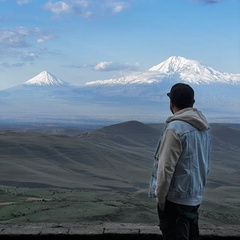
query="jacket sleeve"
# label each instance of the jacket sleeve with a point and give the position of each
(168, 155)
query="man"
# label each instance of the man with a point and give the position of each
(181, 166)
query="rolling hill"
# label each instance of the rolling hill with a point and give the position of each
(115, 156)
(103, 174)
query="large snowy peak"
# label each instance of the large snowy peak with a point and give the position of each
(178, 69)
(178, 64)
(45, 79)
(193, 71)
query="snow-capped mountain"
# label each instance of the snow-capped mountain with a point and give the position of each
(140, 96)
(137, 78)
(186, 70)
(193, 71)
(45, 79)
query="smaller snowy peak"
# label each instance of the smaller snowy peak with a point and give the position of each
(45, 79)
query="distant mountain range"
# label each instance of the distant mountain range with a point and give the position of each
(178, 68)
(140, 96)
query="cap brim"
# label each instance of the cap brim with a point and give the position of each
(169, 95)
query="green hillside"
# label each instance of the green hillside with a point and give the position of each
(103, 174)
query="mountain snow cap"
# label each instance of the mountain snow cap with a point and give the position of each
(176, 68)
(45, 79)
(176, 64)
(193, 71)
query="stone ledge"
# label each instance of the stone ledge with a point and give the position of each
(105, 230)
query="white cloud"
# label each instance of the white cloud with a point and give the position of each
(29, 56)
(58, 7)
(22, 2)
(19, 44)
(105, 66)
(44, 38)
(86, 8)
(21, 37)
(116, 6)
(12, 39)
(111, 66)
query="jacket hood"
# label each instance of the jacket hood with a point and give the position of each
(191, 116)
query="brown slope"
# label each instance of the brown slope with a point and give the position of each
(132, 133)
(92, 161)
(130, 127)
(120, 156)
(223, 134)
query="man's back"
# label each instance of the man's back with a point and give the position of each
(181, 166)
(192, 168)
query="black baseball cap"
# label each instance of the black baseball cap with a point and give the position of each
(182, 95)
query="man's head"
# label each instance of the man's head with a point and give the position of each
(182, 96)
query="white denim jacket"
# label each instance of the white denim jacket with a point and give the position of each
(182, 158)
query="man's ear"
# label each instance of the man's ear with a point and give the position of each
(172, 105)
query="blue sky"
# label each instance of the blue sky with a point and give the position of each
(87, 40)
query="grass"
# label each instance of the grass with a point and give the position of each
(20, 205)
(64, 205)
(103, 175)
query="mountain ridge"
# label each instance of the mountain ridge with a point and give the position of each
(189, 71)
(140, 96)
(129, 127)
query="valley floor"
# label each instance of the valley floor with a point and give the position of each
(36, 205)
